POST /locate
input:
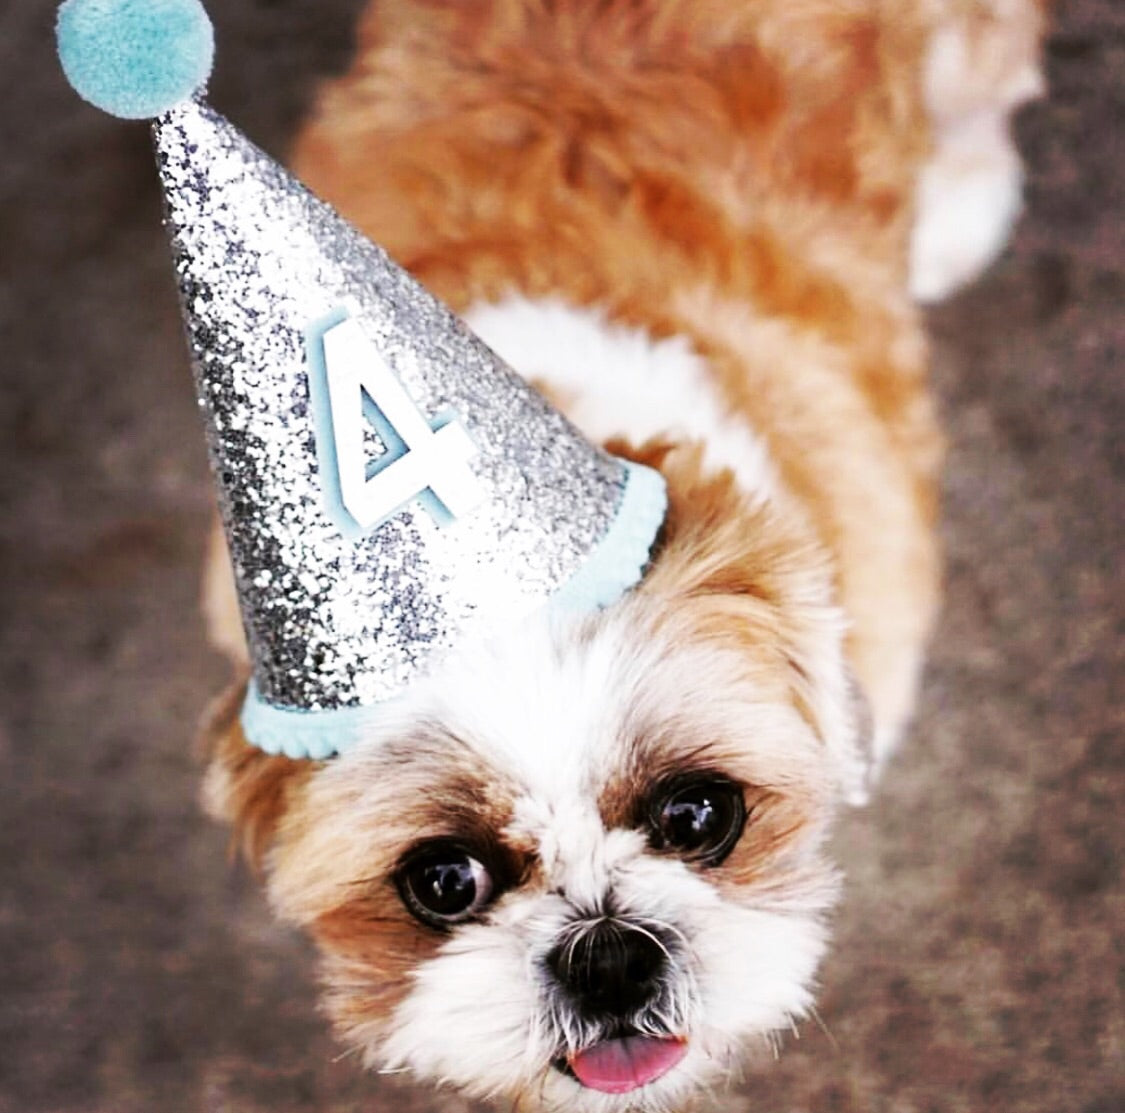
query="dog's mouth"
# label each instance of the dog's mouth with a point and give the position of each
(623, 1063)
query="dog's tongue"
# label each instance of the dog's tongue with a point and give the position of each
(617, 1066)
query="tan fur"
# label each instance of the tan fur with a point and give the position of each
(371, 943)
(739, 173)
(249, 789)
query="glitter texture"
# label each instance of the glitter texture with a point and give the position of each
(335, 621)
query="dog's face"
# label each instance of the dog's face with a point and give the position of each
(582, 866)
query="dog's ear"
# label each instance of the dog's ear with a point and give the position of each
(785, 593)
(830, 694)
(244, 786)
(758, 562)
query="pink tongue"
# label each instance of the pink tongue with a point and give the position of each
(617, 1066)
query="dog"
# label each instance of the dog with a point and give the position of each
(584, 866)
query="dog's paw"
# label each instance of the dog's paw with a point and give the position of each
(969, 193)
(968, 198)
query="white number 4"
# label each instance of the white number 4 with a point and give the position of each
(420, 459)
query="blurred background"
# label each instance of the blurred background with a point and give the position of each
(979, 957)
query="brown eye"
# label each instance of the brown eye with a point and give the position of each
(442, 884)
(700, 819)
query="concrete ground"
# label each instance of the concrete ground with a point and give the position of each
(979, 955)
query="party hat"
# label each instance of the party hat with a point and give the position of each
(388, 486)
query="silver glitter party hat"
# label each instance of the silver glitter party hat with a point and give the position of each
(390, 489)
(388, 486)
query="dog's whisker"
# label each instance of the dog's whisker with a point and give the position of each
(814, 1012)
(661, 925)
(650, 935)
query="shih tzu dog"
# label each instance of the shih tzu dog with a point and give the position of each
(583, 865)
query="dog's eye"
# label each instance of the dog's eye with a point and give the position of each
(700, 819)
(442, 884)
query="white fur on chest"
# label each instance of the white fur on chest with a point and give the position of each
(615, 380)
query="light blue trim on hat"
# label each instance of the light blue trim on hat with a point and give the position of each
(619, 559)
(616, 564)
(298, 733)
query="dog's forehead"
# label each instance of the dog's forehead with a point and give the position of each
(553, 713)
(549, 704)
(553, 742)
(575, 716)
(555, 737)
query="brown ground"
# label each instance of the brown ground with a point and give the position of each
(979, 958)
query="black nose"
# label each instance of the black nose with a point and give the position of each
(610, 968)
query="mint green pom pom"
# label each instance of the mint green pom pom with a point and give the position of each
(135, 58)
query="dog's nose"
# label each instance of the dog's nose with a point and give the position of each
(611, 969)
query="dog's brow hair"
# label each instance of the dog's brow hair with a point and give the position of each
(621, 797)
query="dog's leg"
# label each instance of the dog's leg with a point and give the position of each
(982, 64)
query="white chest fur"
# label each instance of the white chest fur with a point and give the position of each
(614, 380)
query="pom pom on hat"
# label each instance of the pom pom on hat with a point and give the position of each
(135, 58)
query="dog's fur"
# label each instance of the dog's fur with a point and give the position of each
(700, 226)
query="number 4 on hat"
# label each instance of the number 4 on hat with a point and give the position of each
(423, 460)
